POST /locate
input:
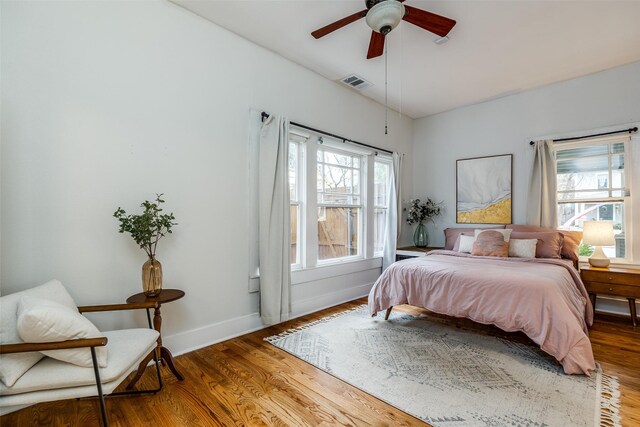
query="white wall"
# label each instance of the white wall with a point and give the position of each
(602, 101)
(106, 103)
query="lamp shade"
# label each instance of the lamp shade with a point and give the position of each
(598, 233)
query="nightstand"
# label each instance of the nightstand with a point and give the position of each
(616, 281)
(407, 252)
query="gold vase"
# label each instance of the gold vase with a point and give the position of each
(152, 277)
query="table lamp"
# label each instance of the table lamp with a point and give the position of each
(598, 234)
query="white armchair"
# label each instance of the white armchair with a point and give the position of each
(28, 376)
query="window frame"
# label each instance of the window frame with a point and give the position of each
(299, 141)
(308, 234)
(388, 162)
(361, 206)
(625, 190)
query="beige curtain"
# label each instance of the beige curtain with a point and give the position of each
(274, 223)
(541, 207)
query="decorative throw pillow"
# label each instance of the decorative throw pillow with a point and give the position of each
(491, 243)
(572, 238)
(456, 247)
(549, 243)
(13, 366)
(506, 234)
(41, 320)
(465, 243)
(522, 248)
(451, 234)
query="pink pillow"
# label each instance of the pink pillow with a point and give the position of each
(549, 242)
(490, 243)
(452, 234)
(570, 244)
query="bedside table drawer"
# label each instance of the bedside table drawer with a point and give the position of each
(609, 277)
(613, 289)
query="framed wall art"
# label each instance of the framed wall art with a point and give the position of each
(483, 190)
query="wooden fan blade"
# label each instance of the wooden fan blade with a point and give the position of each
(429, 21)
(376, 45)
(321, 32)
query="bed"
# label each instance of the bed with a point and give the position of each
(542, 297)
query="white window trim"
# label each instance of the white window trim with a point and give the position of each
(631, 156)
(363, 224)
(389, 162)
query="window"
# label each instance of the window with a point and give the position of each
(345, 218)
(381, 175)
(593, 185)
(340, 207)
(295, 191)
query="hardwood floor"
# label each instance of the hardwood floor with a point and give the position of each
(246, 381)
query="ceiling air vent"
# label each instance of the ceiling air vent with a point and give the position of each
(356, 82)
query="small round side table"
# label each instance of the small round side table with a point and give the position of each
(164, 355)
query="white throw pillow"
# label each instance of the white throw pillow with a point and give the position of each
(505, 233)
(466, 243)
(523, 248)
(13, 366)
(41, 320)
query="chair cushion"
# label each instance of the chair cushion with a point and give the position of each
(12, 366)
(41, 320)
(126, 348)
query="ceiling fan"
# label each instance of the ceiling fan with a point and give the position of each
(383, 16)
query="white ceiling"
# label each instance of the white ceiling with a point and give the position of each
(497, 47)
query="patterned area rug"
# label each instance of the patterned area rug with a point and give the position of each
(451, 377)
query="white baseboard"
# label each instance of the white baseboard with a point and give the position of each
(310, 305)
(613, 305)
(185, 342)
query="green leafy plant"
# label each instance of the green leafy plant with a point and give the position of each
(420, 212)
(585, 250)
(149, 227)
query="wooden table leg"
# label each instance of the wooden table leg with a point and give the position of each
(141, 369)
(167, 357)
(163, 354)
(592, 297)
(632, 310)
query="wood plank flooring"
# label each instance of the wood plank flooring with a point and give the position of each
(246, 381)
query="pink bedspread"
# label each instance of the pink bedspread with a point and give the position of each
(544, 298)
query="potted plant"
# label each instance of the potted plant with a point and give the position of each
(418, 214)
(147, 229)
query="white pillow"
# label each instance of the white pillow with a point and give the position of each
(523, 248)
(505, 233)
(13, 366)
(466, 243)
(41, 320)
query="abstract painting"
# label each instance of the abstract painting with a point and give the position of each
(483, 190)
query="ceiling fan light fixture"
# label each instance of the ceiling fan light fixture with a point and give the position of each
(385, 16)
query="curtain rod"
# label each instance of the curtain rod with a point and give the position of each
(266, 115)
(630, 130)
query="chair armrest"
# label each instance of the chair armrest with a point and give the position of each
(44, 346)
(117, 307)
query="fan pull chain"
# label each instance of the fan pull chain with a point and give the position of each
(386, 108)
